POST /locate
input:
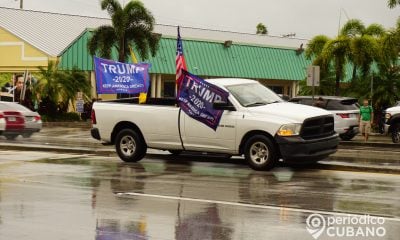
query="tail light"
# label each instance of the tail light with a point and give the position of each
(37, 118)
(1, 115)
(93, 117)
(343, 115)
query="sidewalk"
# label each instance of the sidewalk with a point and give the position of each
(377, 155)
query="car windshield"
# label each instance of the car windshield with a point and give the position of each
(253, 94)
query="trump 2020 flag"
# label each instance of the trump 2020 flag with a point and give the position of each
(116, 77)
(196, 98)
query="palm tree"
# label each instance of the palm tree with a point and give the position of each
(71, 82)
(336, 52)
(131, 24)
(393, 3)
(261, 29)
(57, 87)
(391, 46)
(47, 87)
(314, 51)
(363, 44)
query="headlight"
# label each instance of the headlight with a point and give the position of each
(388, 116)
(292, 129)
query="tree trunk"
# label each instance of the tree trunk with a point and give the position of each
(354, 73)
(337, 87)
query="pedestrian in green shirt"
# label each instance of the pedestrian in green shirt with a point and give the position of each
(366, 119)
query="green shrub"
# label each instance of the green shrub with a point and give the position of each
(62, 117)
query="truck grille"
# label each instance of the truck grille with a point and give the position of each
(317, 127)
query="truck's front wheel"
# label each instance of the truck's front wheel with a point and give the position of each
(396, 133)
(260, 152)
(130, 146)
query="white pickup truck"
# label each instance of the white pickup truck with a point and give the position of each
(255, 122)
(392, 123)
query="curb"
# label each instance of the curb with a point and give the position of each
(352, 168)
(369, 144)
(324, 165)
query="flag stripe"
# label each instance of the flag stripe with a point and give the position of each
(180, 59)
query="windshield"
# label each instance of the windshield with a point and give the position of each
(253, 94)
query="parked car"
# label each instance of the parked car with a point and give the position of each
(345, 110)
(15, 124)
(17, 115)
(2, 123)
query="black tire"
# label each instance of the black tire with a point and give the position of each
(26, 135)
(260, 153)
(11, 136)
(347, 136)
(396, 133)
(130, 146)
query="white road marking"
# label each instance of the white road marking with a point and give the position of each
(395, 219)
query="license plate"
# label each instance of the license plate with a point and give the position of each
(12, 119)
(29, 119)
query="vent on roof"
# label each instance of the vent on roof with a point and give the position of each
(227, 43)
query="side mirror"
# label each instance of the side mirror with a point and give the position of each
(223, 106)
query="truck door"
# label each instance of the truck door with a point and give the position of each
(197, 136)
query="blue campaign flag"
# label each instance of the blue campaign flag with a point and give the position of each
(116, 77)
(196, 98)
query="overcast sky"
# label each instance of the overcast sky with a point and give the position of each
(306, 18)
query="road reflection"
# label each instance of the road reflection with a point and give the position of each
(182, 198)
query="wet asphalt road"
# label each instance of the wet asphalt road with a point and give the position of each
(70, 196)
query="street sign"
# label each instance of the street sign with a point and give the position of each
(313, 76)
(79, 105)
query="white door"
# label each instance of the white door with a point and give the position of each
(197, 136)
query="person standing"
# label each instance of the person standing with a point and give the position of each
(365, 119)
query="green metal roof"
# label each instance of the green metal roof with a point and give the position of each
(207, 58)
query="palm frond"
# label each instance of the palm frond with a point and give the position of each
(103, 39)
(112, 6)
(393, 3)
(375, 30)
(315, 46)
(352, 28)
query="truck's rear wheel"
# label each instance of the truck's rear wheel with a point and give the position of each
(396, 133)
(260, 152)
(130, 146)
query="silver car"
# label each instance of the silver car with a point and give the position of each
(33, 121)
(345, 110)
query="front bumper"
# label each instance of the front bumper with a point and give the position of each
(296, 149)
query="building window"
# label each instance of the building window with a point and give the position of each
(277, 89)
(169, 89)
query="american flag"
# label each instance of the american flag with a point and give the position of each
(180, 60)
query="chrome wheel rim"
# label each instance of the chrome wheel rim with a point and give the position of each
(128, 146)
(259, 153)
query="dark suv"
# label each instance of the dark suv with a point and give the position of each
(345, 110)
